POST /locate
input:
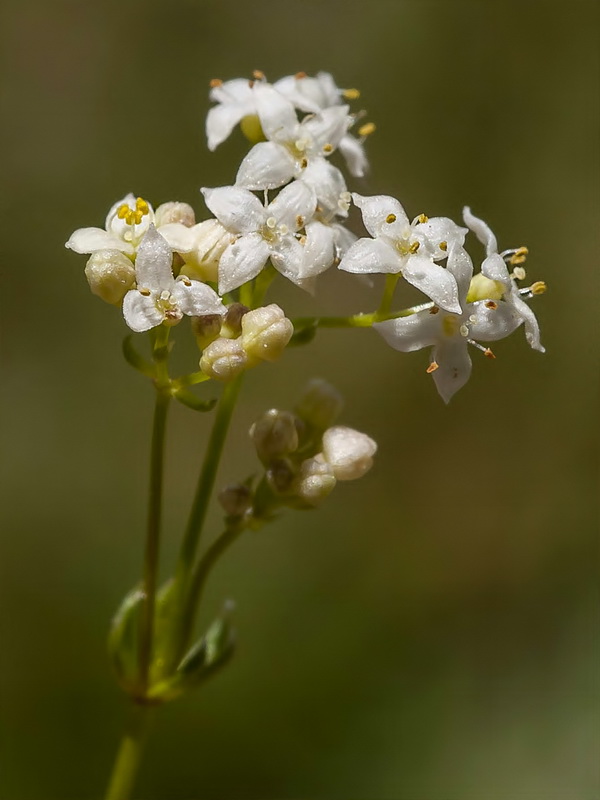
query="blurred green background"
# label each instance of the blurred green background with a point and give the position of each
(432, 632)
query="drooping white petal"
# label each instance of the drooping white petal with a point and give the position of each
(532, 328)
(436, 231)
(434, 281)
(237, 209)
(354, 155)
(294, 206)
(490, 320)
(179, 237)
(267, 166)
(328, 184)
(460, 265)
(371, 255)
(153, 263)
(242, 261)
(495, 269)
(88, 240)
(343, 238)
(277, 115)
(454, 366)
(482, 230)
(377, 210)
(141, 313)
(326, 128)
(221, 120)
(410, 333)
(237, 90)
(197, 299)
(287, 257)
(319, 249)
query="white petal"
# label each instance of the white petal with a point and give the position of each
(140, 312)
(460, 265)
(319, 250)
(297, 91)
(294, 205)
(410, 333)
(237, 209)
(377, 210)
(277, 115)
(454, 367)
(371, 255)
(287, 257)
(354, 154)
(343, 238)
(179, 237)
(532, 329)
(267, 166)
(435, 281)
(153, 264)
(88, 240)
(495, 269)
(326, 128)
(129, 200)
(437, 230)
(329, 91)
(493, 320)
(237, 90)
(328, 184)
(482, 230)
(197, 299)
(242, 261)
(220, 121)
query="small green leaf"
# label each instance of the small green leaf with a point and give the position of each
(191, 401)
(123, 639)
(135, 360)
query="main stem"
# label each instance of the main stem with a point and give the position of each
(129, 756)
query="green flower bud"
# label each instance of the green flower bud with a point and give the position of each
(236, 499)
(265, 332)
(232, 322)
(174, 212)
(315, 481)
(223, 359)
(206, 329)
(280, 476)
(348, 452)
(110, 275)
(274, 435)
(320, 404)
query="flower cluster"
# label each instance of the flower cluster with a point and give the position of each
(287, 212)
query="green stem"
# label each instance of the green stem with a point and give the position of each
(388, 295)
(129, 756)
(356, 320)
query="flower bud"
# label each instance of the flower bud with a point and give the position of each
(174, 212)
(211, 240)
(274, 435)
(482, 288)
(236, 499)
(348, 452)
(223, 359)
(265, 332)
(320, 404)
(206, 329)
(280, 476)
(110, 275)
(315, 481)
(232, 321)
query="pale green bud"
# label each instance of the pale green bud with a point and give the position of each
(175, 212)
(320, 404)
(236, 499)
(110, 275)
(274, 435)
(280, 476)
(232, 321)
(265, 332)
(206, 329)
(223, 359)
(348, 452)
(315, 481)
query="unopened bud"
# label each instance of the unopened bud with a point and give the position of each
(265, 332)
(280, 476)
(320, 404)
(482, 288)
(175, 212)
(274, 435)
(223, 359)
(211, 241)
(236, 499)
(315, 481)
(110, 275)
(206, 329)
(232, 321)
(348, 452)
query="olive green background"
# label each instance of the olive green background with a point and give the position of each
(431, 633)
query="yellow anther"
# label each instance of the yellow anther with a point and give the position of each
(123, 211)
(215, 83)
(414, 247)
(145, 292)
(351, 94)
(327, 148)
(519, 256)
(142, 205)
(302, 240)
(434, 310)
(258, 75)
(491, 304)
(300, 75)
(443, 246)
(519, 273)
(539, 287)
(304, 163)
(422, 218)
(432, 367)
(299, 221)
(137, 217)
(488, 353)
(367, 129)
(390, 218)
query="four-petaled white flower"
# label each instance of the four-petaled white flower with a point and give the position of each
(262, 232)
(451, 334)
(295, 149)
(408, 248)
(494, 267)
(159, 297)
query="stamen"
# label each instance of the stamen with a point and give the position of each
(367, 129)
(434, 310)
(283, 230)
(422, 218)
(390, 218)
(304, 163)
(539, 287)
(258, 75)
(302, 240)
(488, 353)
(414, 247)
(300, 75)
(351, 94)
(519, 256)
(519, 273)
(432, 367)
(271, 222)
(299, 221)
(443, 246)
(327, 148)
(123, 211)
(491, 304)
(144, 292)
(215, 83)
(464, 330)
(142, 205)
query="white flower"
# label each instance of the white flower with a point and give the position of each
(159, 297)
(349, 453)
(451, 334)
(292, 145)
(494, 268)
(127, 222)
(235, 100)
(408, 248)
(262, 232)
(208, 243)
